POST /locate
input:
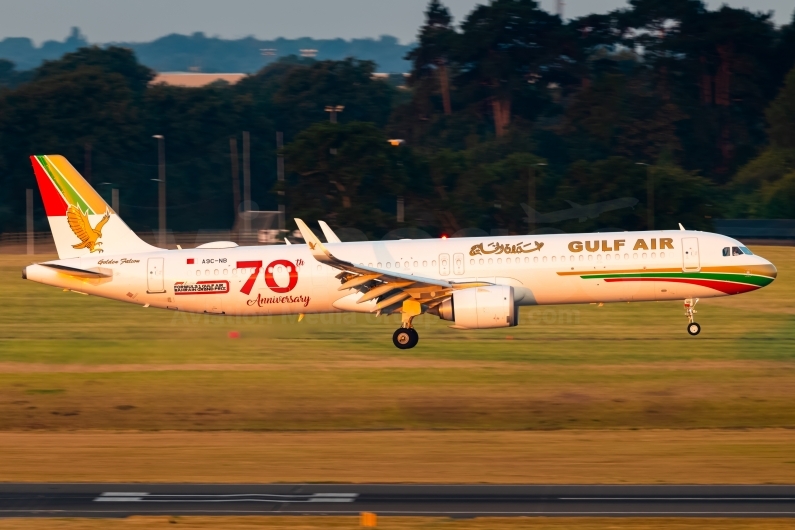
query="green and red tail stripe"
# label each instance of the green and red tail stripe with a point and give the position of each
(61, 185)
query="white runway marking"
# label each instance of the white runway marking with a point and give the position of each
(111, 496)
(120, 496)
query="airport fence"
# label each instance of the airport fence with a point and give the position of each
(43, 243)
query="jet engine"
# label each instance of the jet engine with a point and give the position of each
(491, 306)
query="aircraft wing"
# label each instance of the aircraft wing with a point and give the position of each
(389, 288)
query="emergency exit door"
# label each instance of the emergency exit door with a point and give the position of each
(458, 264)
(444, 264)
(155, 283)
(690, 259)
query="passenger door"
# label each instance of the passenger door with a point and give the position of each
(155, 282)
(690, 259)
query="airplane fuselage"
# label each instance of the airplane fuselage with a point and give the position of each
(543, 270)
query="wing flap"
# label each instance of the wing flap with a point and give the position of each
(355, 281)
(382, 289)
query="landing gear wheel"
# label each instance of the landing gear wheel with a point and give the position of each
(693, 328)
(415, 337)
(405, 338)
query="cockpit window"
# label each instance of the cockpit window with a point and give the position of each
(736, 251)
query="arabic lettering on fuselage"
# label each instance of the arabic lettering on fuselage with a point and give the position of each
(499, 248)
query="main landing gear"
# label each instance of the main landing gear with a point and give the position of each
(405, 338)
(690, 309)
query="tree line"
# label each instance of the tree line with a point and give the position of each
(199, 52)
(509, 106)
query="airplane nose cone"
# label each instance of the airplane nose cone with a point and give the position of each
(771, 270)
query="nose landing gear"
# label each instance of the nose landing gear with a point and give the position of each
(690, 309)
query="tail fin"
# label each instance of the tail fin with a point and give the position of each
(82, 223)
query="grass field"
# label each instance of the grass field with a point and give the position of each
(395, 523)
(696, 456)
(77, 363)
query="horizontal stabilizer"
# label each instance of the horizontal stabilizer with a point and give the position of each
(73, 271)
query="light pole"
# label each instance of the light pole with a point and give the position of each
(333, 110)
(280, 175)
(114, 197)
(531, 190)
(649, 196)
(161, 189)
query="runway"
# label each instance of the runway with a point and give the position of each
(121, 500)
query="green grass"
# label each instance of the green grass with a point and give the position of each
(76, 362)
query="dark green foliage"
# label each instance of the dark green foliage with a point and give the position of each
(112, 60)
(347, 173)
(513, 106)
(781, 115)
(765, 187)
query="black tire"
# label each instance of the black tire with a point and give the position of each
(403, 338)
(693, 328)
(415, 337)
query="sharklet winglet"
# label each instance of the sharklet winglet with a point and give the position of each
(319, 252)
(331, 237)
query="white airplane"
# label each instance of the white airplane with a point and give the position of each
(475, 283)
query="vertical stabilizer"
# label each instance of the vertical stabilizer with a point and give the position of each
(81, 221)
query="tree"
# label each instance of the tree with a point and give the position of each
(781, 115)
(765, 187)
(60, 114)
(347, 173)
(7, 72)
(112, 59)
(717, 66)
(431, 56)
(680, 196)
(505, 46)
(296, 94)
(622, 114)
(785, 51)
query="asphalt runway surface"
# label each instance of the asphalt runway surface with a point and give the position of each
(122, 500)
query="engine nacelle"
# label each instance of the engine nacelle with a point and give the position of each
(491, 306)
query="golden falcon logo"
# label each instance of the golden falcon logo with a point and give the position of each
(89, 237)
